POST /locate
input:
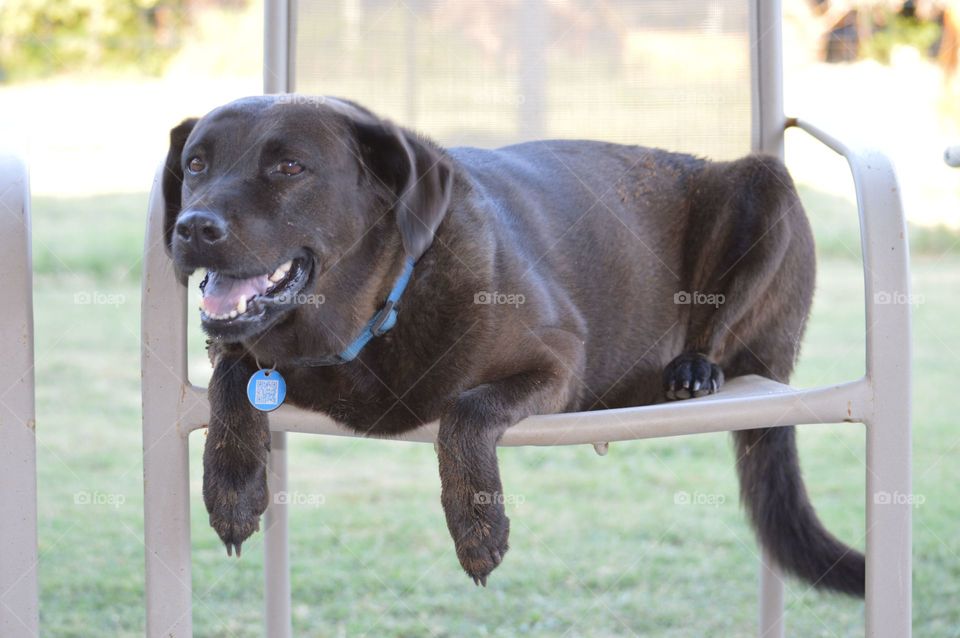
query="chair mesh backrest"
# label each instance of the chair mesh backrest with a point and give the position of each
(667, 73)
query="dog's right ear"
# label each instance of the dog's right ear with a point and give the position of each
(172, 183)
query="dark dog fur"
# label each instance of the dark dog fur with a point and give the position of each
(596, 237)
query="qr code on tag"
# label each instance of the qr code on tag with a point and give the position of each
(267, 391)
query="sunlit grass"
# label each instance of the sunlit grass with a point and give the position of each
(599, 546)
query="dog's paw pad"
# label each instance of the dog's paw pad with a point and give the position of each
(691, 375)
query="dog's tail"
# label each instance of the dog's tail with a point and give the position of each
(772, 491)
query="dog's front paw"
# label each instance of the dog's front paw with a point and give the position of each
(235, 506)
(691, 375)
(481, 539)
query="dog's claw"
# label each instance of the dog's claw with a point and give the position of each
(229, 549)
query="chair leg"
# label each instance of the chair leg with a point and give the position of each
(889, 509)
(166, 487)
(18, 523)
(276, 561)
(18, 461)
(771, 598)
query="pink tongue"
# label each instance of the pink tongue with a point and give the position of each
(221, 294)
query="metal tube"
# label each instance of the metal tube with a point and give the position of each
(277, 78)
(887, 291)
(276, 46)
(19, 614)
(744, 403)
(772, 614)
(166, 471)
(276, 559)
(766, 61)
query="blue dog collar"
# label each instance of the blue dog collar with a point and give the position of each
(381, 322)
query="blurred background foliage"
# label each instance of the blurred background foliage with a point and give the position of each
(40, 38)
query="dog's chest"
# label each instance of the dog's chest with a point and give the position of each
(359, 400)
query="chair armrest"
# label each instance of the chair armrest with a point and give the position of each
(952, 156)
(883, 236)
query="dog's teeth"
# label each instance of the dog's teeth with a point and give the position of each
(232, 315)
(281, 271)
(241, 306)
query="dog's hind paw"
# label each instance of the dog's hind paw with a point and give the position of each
(691, 375)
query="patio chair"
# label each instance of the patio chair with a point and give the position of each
(18, 468)
(735, 109)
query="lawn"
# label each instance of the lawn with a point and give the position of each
(600, 547)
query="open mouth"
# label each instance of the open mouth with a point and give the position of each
(229, 300)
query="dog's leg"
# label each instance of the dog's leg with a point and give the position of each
(750, 267)
(235, 455)
(471, 492)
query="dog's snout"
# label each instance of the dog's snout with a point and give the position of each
(202, 227)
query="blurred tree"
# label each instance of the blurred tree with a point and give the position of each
(44, 37)
(853, 29)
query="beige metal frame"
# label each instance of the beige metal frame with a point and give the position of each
(19, 615)
(173, 407)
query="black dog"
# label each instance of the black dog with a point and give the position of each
(602, 254)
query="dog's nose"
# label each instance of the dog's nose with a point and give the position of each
(201, 226)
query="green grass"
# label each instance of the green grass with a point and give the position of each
(599, 547)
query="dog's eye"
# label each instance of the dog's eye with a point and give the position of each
(290, 167)
(196, 165)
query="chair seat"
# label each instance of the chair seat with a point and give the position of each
(743, 403)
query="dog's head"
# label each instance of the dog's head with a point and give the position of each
(266, 193)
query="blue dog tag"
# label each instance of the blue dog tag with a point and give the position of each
(266, 390)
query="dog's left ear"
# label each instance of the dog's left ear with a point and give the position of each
(172, 183)
(418, 176)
